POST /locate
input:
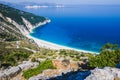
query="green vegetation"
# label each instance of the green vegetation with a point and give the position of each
(28, 44)
(12, 56)
(42, 66)
(73, 55)
(44, 54)
(8, 30)
(47, 55)
(16, 15)
(8, 37)
(109, 56)
(59, 54)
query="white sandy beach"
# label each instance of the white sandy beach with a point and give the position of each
(49, 45)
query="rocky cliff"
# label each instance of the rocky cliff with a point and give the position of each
(107, 73)
(16, 24)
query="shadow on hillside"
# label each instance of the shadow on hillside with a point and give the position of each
(79, 75)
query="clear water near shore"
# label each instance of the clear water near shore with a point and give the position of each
(86, 27)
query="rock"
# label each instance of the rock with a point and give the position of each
(52, 73)
(38, 77)
(18, 77)
(27, 65)
(84, 58)
(114, 71)
(118, 74)
(47, 74)
(35, 64)
(73, 66)
(80, 63)
(9, 73)
(2, 76)
(41, 60)
(13, 71)
(100, 74)
(106, 73)
(65, 65)
(58, 64)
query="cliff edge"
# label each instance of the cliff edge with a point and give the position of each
(16, 24)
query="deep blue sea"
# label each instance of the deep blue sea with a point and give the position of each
(86, 27)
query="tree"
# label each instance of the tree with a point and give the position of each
(109, 56)
(109, 46)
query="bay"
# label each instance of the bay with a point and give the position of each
(86, 27)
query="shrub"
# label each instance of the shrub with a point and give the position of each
(12, 56)
(42, 66)
(109, 56)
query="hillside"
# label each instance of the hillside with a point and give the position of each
(16, 24)
(21, 58)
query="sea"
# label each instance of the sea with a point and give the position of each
(84, 27)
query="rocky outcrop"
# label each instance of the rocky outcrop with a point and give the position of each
(106, 73)
(2, 76)
(47, 74)
(27, 65)
(11, 72)
(61, 75)
(7, 74)
(66, 65)
(62, 67)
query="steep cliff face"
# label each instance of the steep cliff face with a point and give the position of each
(16, 24)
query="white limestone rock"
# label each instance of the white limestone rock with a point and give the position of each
(114, 71)
(27, 65)
(101, 74)
(35, 64)
(38, 77)
(12, 71)
(2, 76)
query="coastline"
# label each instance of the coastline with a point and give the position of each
(50, 45)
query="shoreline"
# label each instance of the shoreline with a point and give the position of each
(50, 45)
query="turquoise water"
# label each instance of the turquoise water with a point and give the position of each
(86, 27)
